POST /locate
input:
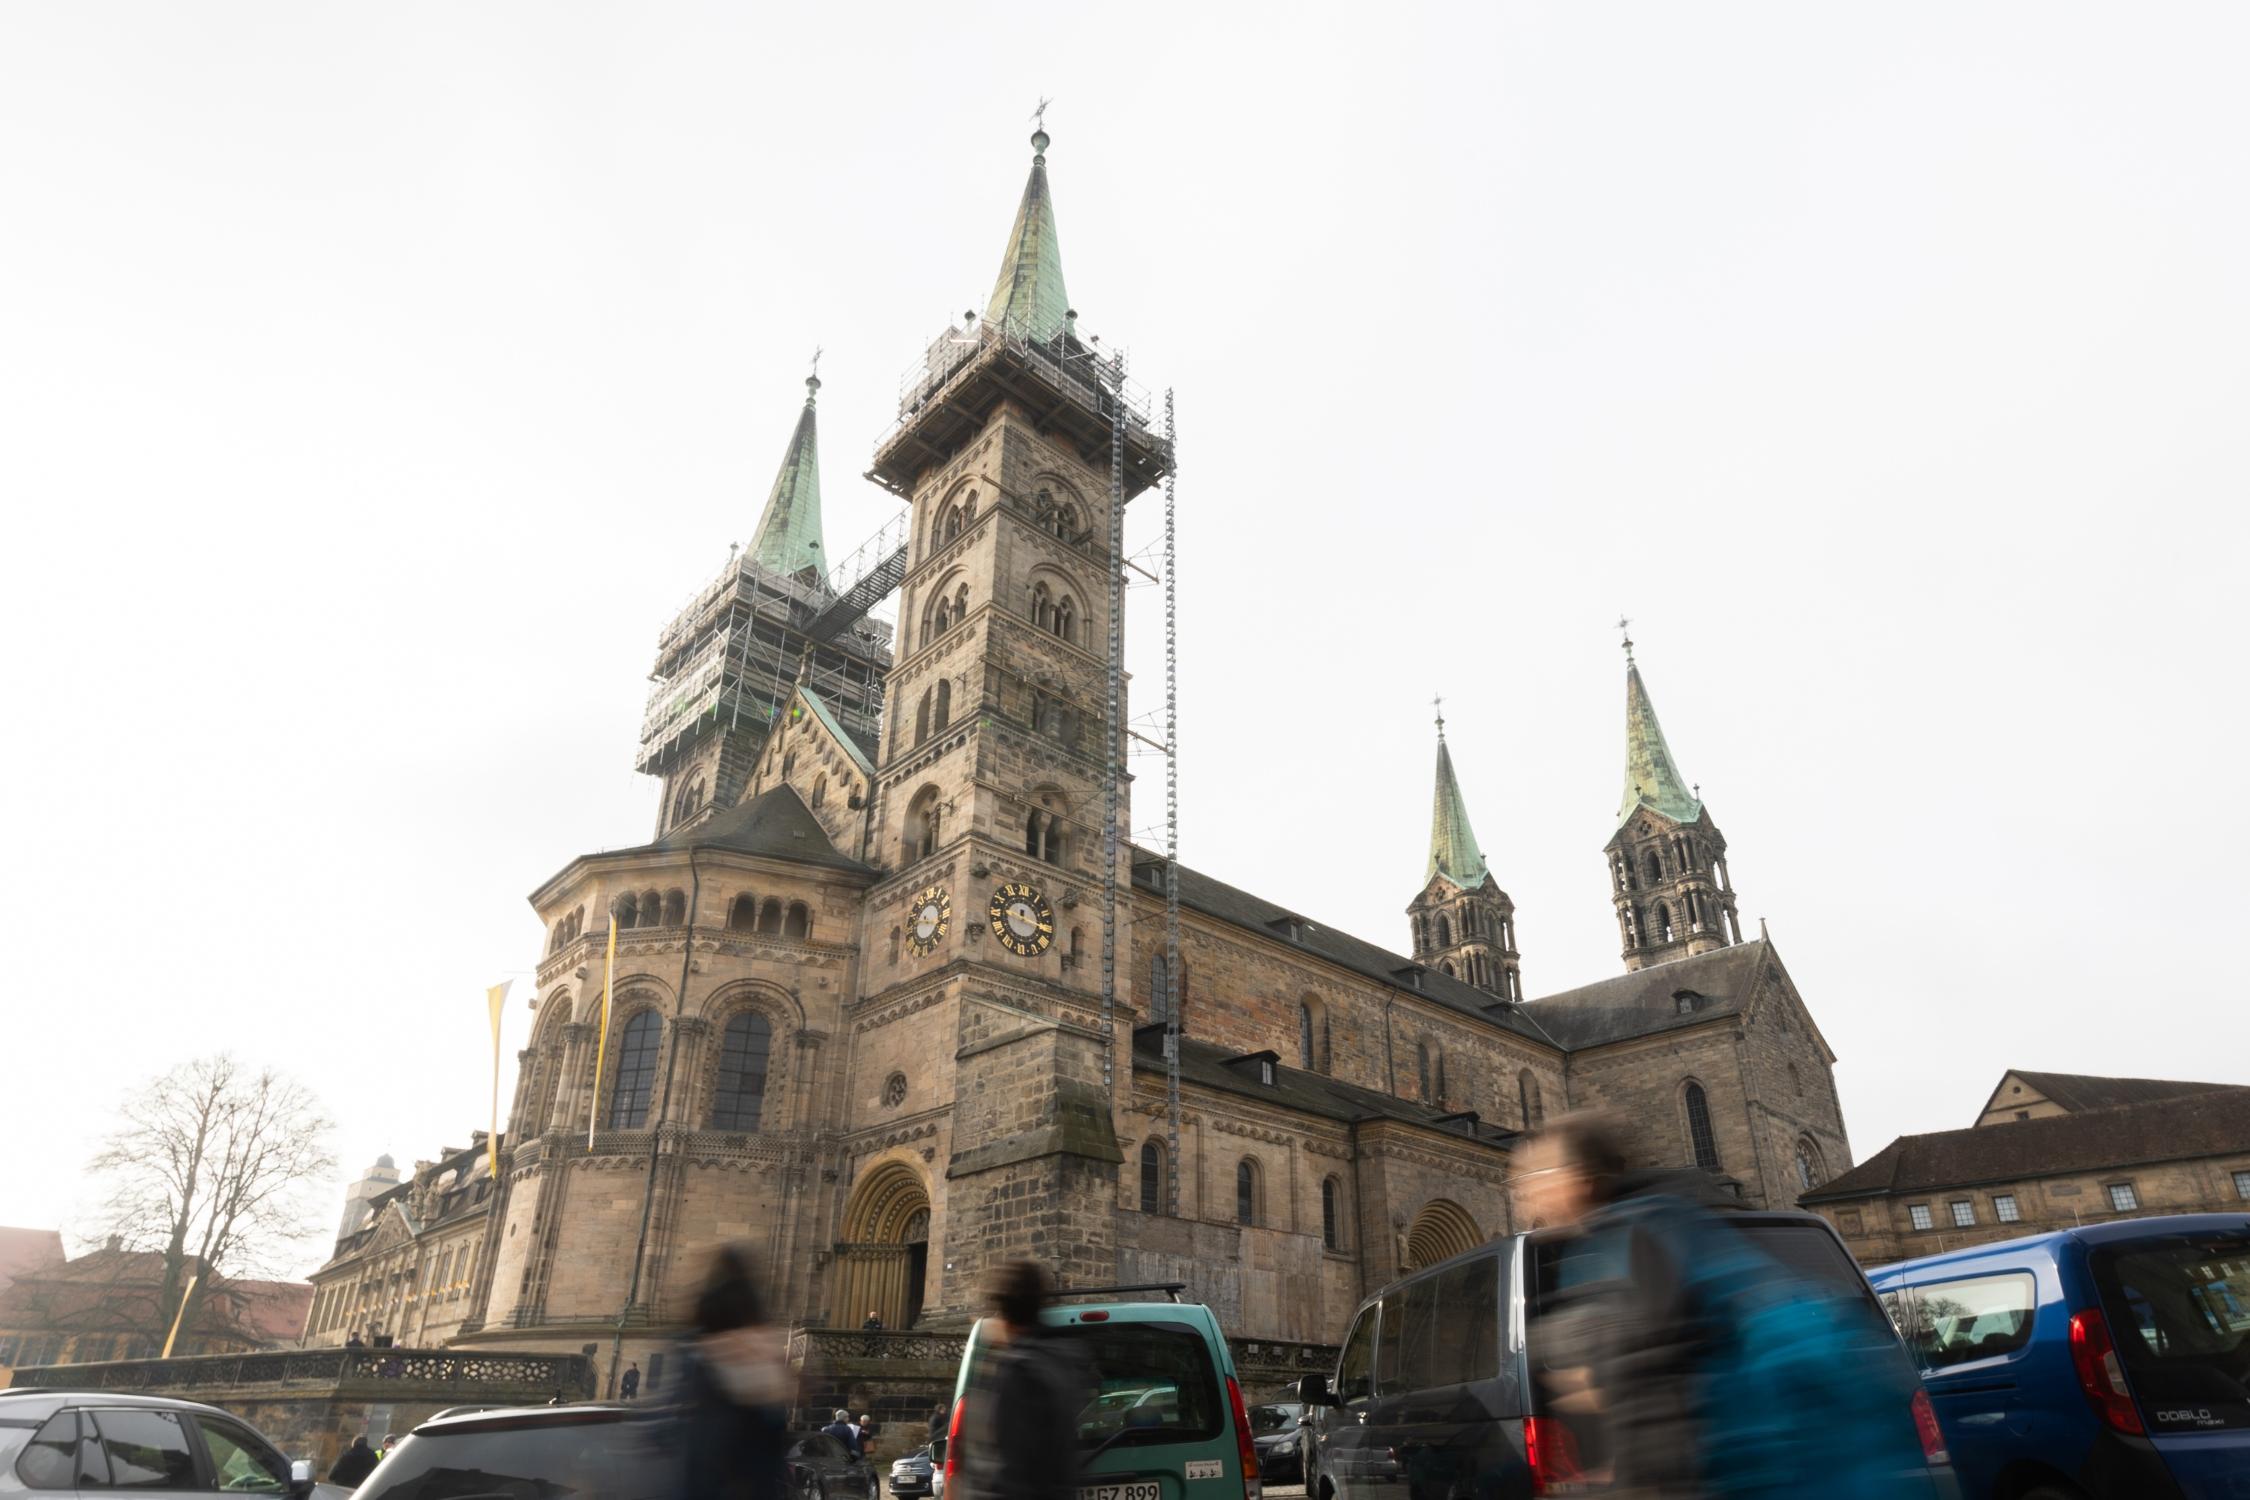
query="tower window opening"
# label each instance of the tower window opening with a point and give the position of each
(769, 916)
(922, 820)
(1066, 618)
(798, 924)
(675, 908)
(626, 909)
(1444, 932)
(1663, 923)
(1651, 867)
(652, 909)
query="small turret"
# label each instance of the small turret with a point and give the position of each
(1463, 923)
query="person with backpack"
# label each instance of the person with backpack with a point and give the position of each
(1696, 1366)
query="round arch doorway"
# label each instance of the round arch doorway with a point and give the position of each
(883, 1256)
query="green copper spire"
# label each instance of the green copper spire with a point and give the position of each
(1453, 844)
(1029, 298)
(788, 539)
(1651, 778)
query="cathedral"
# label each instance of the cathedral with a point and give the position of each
(868, 1018)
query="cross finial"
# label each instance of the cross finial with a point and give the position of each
(1625, 629)
(812, 381)
(817, 351)
(1039, 115)
(1438, 703)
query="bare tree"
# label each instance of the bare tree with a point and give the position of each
(211, 1167)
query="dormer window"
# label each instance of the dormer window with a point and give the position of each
(1687, 1001)
(1265, 1071)
(1290, 927)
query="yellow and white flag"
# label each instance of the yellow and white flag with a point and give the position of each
(601, 1037)
(496, 998)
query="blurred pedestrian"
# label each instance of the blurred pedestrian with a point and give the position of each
(841, 1429)
(1693, 1364)
(734, 1391)
(1019, 1420)
(941, 1417)
(357, 1463)
(629, 1385)
(355, 1341)
(874, 1323)
(865, 1427)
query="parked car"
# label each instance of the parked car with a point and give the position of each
(152, 1445)
(1165, 1407)
(825, 1468)
(2107, 1360)
(528, 1453)
(1441, 1385)
(913, 1477)
(1277, 1427)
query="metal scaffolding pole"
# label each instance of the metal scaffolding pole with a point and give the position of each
(1114, 726)
(1171, 814)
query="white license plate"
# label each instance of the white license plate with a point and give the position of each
(1139, 1489)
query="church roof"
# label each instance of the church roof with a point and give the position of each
(861, 754)
(1206, 1064)
(1213, 898)
(1651, 777)
(775, 823)
(2214, 1122)
(1453, 843)
(1649, 1000)
(788, 539)
(1028, 298)
(2087, 1091)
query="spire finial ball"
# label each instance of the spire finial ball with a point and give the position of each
(1039, 142)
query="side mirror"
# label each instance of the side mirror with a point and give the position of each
(1313, 1391)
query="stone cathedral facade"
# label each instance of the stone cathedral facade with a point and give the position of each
(858, 1020)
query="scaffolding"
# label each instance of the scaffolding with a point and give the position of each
(731, 656)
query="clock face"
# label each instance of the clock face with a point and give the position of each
(930, 919)
(1022, 920)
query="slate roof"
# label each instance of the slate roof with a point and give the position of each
(1213, 898)
(2086, 1091)
(1205, 1064)
(1643, 1003)
(774, 823)
(2213, 1122)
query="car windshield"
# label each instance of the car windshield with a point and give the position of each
(2179, 1311)
(549, 1462)
(1151, 1382)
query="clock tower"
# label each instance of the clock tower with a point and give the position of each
(992, 781)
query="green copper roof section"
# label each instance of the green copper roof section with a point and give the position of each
(828, 720)
(1453, 844)
(788, 539)
(1651, 777)
(1029, 298)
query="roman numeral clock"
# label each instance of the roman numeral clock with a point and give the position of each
(1022, 920)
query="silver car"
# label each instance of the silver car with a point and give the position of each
(153, 1445)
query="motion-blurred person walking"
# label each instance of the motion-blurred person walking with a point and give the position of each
(1019, 1424)
(733, 1415)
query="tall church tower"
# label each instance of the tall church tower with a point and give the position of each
(1667, 859)
(1463, 922)
(993, 780)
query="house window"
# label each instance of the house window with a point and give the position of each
(741, 1095)
(636, 1072)
(1700, 1139)
(1964, 1213)
(1329, 1236)
(1918, 1214)
(1152, 1177)
(2004, 1208)
(1246, 1192)
(2122, 1198)
(2242, 1184)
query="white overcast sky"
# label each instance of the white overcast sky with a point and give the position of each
(376, 380)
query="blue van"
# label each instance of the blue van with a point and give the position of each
(2108, 1360)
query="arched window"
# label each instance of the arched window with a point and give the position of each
(1152, 1177)
(955, 519)
(1159, 989)
(1663, 923)
(1066, 618)
(920, 839)
(1651, 867)
(1042, 836)
(942, 715)
(799, 922)
(942, 621)
(961, 605)
(1444, 932)
(1700, 1140)
(1309, 1058)
(769, 916)
(1042, 607)
(1331, 1229)
(1811, 1172)
(1527, 1095)
(636, 1072)
(652, 909)
(1065, 522)
(1246, 1191)
(741, 1095)
(922, 718)
(626, 909)
(894, 944)
(675, 908)
(1422, 1069)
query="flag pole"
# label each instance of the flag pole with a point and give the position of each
(601, 1041)
(181, 1315)
(496, 998)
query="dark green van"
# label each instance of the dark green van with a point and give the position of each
(1163, 1418)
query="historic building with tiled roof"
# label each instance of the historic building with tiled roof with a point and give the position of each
(859, 1019)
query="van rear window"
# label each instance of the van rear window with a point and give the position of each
(2179, 1310)
(1152, 1383)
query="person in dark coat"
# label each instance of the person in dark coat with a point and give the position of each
(355, 1341)
(357, 1463)
(731, 1428)
(941, 1418)
(629, 1385)
(1019, 1418)
(841, 1429)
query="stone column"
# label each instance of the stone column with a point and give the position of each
(569, 1113)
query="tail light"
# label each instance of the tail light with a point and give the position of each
(1926, 1428)
(2101, 1375)
(1550, 1449)
(953, 1444)
(1251, 1489)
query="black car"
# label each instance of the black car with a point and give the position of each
(821, 1467)
(152, 1445)
(1277, 1429)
